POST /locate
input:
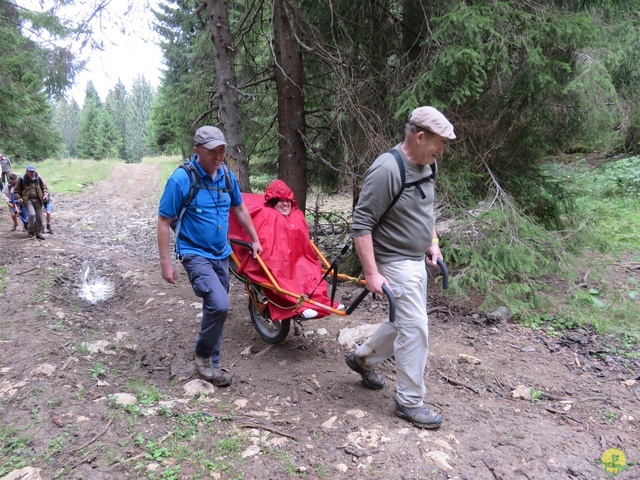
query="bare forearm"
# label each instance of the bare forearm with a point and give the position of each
(163, 232)
(364, 248)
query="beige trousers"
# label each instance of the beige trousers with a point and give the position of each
(408, 337)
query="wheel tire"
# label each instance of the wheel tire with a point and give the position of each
(272, 332)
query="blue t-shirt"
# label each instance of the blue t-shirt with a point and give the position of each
(205, 223)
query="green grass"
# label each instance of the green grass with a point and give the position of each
(167, 166)
(71, 175)
(607, 199)
(15, 449)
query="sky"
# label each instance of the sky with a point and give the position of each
(124, 29)
(130, 49)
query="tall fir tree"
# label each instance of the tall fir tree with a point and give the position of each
(108, 137)
(116, 106)
(89, 123)
(66, 120)
(138, 113)
(30, 74)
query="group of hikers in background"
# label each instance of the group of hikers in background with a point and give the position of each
(28, 199)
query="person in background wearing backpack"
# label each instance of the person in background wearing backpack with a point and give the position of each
(394, 233)
(32, 193)
(202, 241)
(5, 168)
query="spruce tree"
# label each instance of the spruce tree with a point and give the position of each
(116, 106)
(138, 112)
(66, 119)
(89, 122)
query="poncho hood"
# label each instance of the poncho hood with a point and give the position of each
(279, 189)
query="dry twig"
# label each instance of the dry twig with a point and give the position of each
(74, 450)
(461, 384)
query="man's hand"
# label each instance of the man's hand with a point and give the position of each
(169, 273)
(256, 248)
(375, 282)
(433, 254)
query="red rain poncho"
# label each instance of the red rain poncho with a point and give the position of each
(287, 252)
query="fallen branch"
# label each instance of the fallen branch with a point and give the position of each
(460, 384)
(74, 450)
(28, 271)
(241, 422)
(439, 309)
(265, 427)
(548, 396)
(558, 412)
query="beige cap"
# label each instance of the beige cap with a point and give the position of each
(431, 119)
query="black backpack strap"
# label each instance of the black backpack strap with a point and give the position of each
(400, 163)
(194, 182)
(194, 186)
(417, 183)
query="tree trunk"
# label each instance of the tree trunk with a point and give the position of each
(292, 162)
(229, 109)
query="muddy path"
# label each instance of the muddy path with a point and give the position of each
(294, 409)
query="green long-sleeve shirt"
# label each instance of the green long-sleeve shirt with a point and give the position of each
(406, 231)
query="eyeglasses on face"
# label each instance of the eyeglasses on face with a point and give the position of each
(213, 151)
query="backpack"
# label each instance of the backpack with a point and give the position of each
(417, 183)
(194, 186)
(20, 186)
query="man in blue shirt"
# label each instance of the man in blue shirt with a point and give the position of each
(202, 244)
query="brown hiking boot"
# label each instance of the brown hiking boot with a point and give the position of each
(370, 378)
(49, 229)
(204, 368)
(220, 378)
(206, 371)
(421, 417)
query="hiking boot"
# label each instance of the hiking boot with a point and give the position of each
(14, 227)
(206, 371)
(421, 417)
(220, 378)
(204, 368)
(30, 234)
(370, 378)
(49, 230)
(39, 236)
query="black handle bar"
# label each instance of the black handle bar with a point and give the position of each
(445, 273)
(390, 299)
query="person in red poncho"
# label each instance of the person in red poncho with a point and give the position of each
(287, 252)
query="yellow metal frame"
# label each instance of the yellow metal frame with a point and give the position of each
(297, 297)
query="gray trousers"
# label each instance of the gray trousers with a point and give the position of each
(210, 281)
(408, 337)
(36, 215)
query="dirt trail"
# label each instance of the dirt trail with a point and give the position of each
(294, 409)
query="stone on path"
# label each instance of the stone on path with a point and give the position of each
(350, 337)
(26, 473)
(197, 386)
